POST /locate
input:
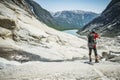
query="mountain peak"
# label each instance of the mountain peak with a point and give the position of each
(73, 19)
(74, 11)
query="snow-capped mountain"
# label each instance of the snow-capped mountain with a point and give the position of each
(108, 23)
(73, 19)
(61, 20)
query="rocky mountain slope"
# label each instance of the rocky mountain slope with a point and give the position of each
(74, 19)
(108, 24)
(24, 38)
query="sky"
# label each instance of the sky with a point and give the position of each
(87, 5)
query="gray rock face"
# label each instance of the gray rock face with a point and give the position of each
(108, 24)
(75, 19)
(24, 38)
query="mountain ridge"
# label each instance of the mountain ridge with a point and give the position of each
(74, 19)
(60, 23)
(42, 14)
(108, 23)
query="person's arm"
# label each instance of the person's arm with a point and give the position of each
(96, 36)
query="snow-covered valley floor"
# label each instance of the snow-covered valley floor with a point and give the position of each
(74, 70)
(77, 69)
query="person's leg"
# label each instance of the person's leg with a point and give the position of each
(90, 51)
(96, 55)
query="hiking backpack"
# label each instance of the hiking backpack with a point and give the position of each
(91, 41)
(91, 38)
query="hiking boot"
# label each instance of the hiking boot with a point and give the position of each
(90, 60)
(96, 61)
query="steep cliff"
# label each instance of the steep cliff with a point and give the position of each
(108, 24)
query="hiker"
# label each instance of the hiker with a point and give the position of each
(92, 36)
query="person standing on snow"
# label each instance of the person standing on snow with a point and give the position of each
(92, 36)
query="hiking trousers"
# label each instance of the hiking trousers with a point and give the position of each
(95, 51)
(96, 55)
